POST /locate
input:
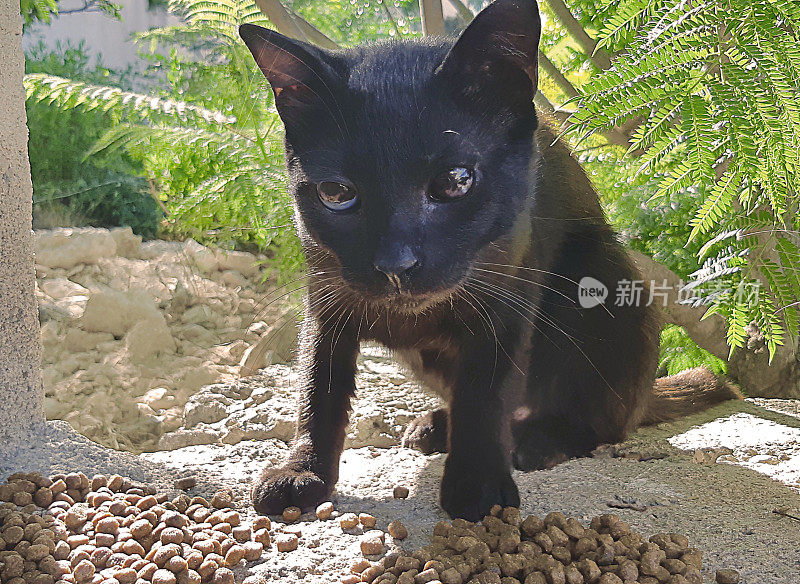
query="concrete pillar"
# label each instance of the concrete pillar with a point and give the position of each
(21, 392)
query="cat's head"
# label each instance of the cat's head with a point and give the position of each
(407, 159)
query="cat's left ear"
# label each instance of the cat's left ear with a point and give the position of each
(497, 54)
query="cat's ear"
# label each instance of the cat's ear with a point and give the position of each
(498, 52)
(301, 75)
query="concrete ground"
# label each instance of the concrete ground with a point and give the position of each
(725, 508)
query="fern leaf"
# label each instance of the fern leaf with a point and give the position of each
(716, 205)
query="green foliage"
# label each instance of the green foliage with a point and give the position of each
(43, 10)
(679, 352)
(712, 89)
(37, 10)
(102, 191)
(357, 21)
(208, 141)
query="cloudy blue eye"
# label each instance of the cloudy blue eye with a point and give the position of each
(453, 184)
(336, 196)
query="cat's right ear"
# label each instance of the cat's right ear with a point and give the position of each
(301, 75)
(497, 55)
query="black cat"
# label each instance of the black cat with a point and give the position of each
(441, 220)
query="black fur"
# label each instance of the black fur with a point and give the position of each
(489, 315)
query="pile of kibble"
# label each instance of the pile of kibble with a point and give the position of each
(70, 529)
(505, 549)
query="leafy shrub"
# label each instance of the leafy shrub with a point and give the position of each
(103, 190)
(208, 140)
(679, 352)
(712, 91)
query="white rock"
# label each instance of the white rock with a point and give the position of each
(234, 351)
(50, 331)
(277, 345)
(254, 358)
(204, 258)
(67, 248)
(259, 327)
(116, 312)
(205, 407)
(62, 288)
(149, 338)
(239, 261)
(199, 314)
(246, 306)
(196, 377)
(182, 438)
(158, 398)
(196, 335)
(127, 243)
(233, 278)
(77, 340)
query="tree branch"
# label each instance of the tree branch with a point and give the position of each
(432, 17)
(598, 56)
(313, 34)
(710, 333)
(557, 76)
(544, 104)
(464, 12)
(281, 18)
(293, 25)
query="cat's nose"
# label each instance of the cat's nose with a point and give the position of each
(399, 267)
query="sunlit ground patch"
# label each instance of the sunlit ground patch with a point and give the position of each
(762, 445)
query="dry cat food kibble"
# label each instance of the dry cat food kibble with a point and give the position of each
(324, 511)
(348, 521)
(69, 529)
(286, 542)
(505, 549)
(367, 520)
(397, 530)
(291, 514)
(400, 492)
(372, 543)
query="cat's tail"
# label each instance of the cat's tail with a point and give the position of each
(688, 392)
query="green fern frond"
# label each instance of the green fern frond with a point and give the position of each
(737, 323)
(714, 91)
(68, 94)
(628, 14)
(717, 205)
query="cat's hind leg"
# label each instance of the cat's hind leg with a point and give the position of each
(427, 433)
(591, 369)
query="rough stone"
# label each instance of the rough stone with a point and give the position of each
(147, 348)
(386, 401)
(149, 338)
(127, 242)
(205, 407)
(68, 247)
(60, 287)
(116, 312)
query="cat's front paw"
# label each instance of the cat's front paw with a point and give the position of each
(276, 489)
(469, 490)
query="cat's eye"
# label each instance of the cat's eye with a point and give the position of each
(336, 196)
(453, 184)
